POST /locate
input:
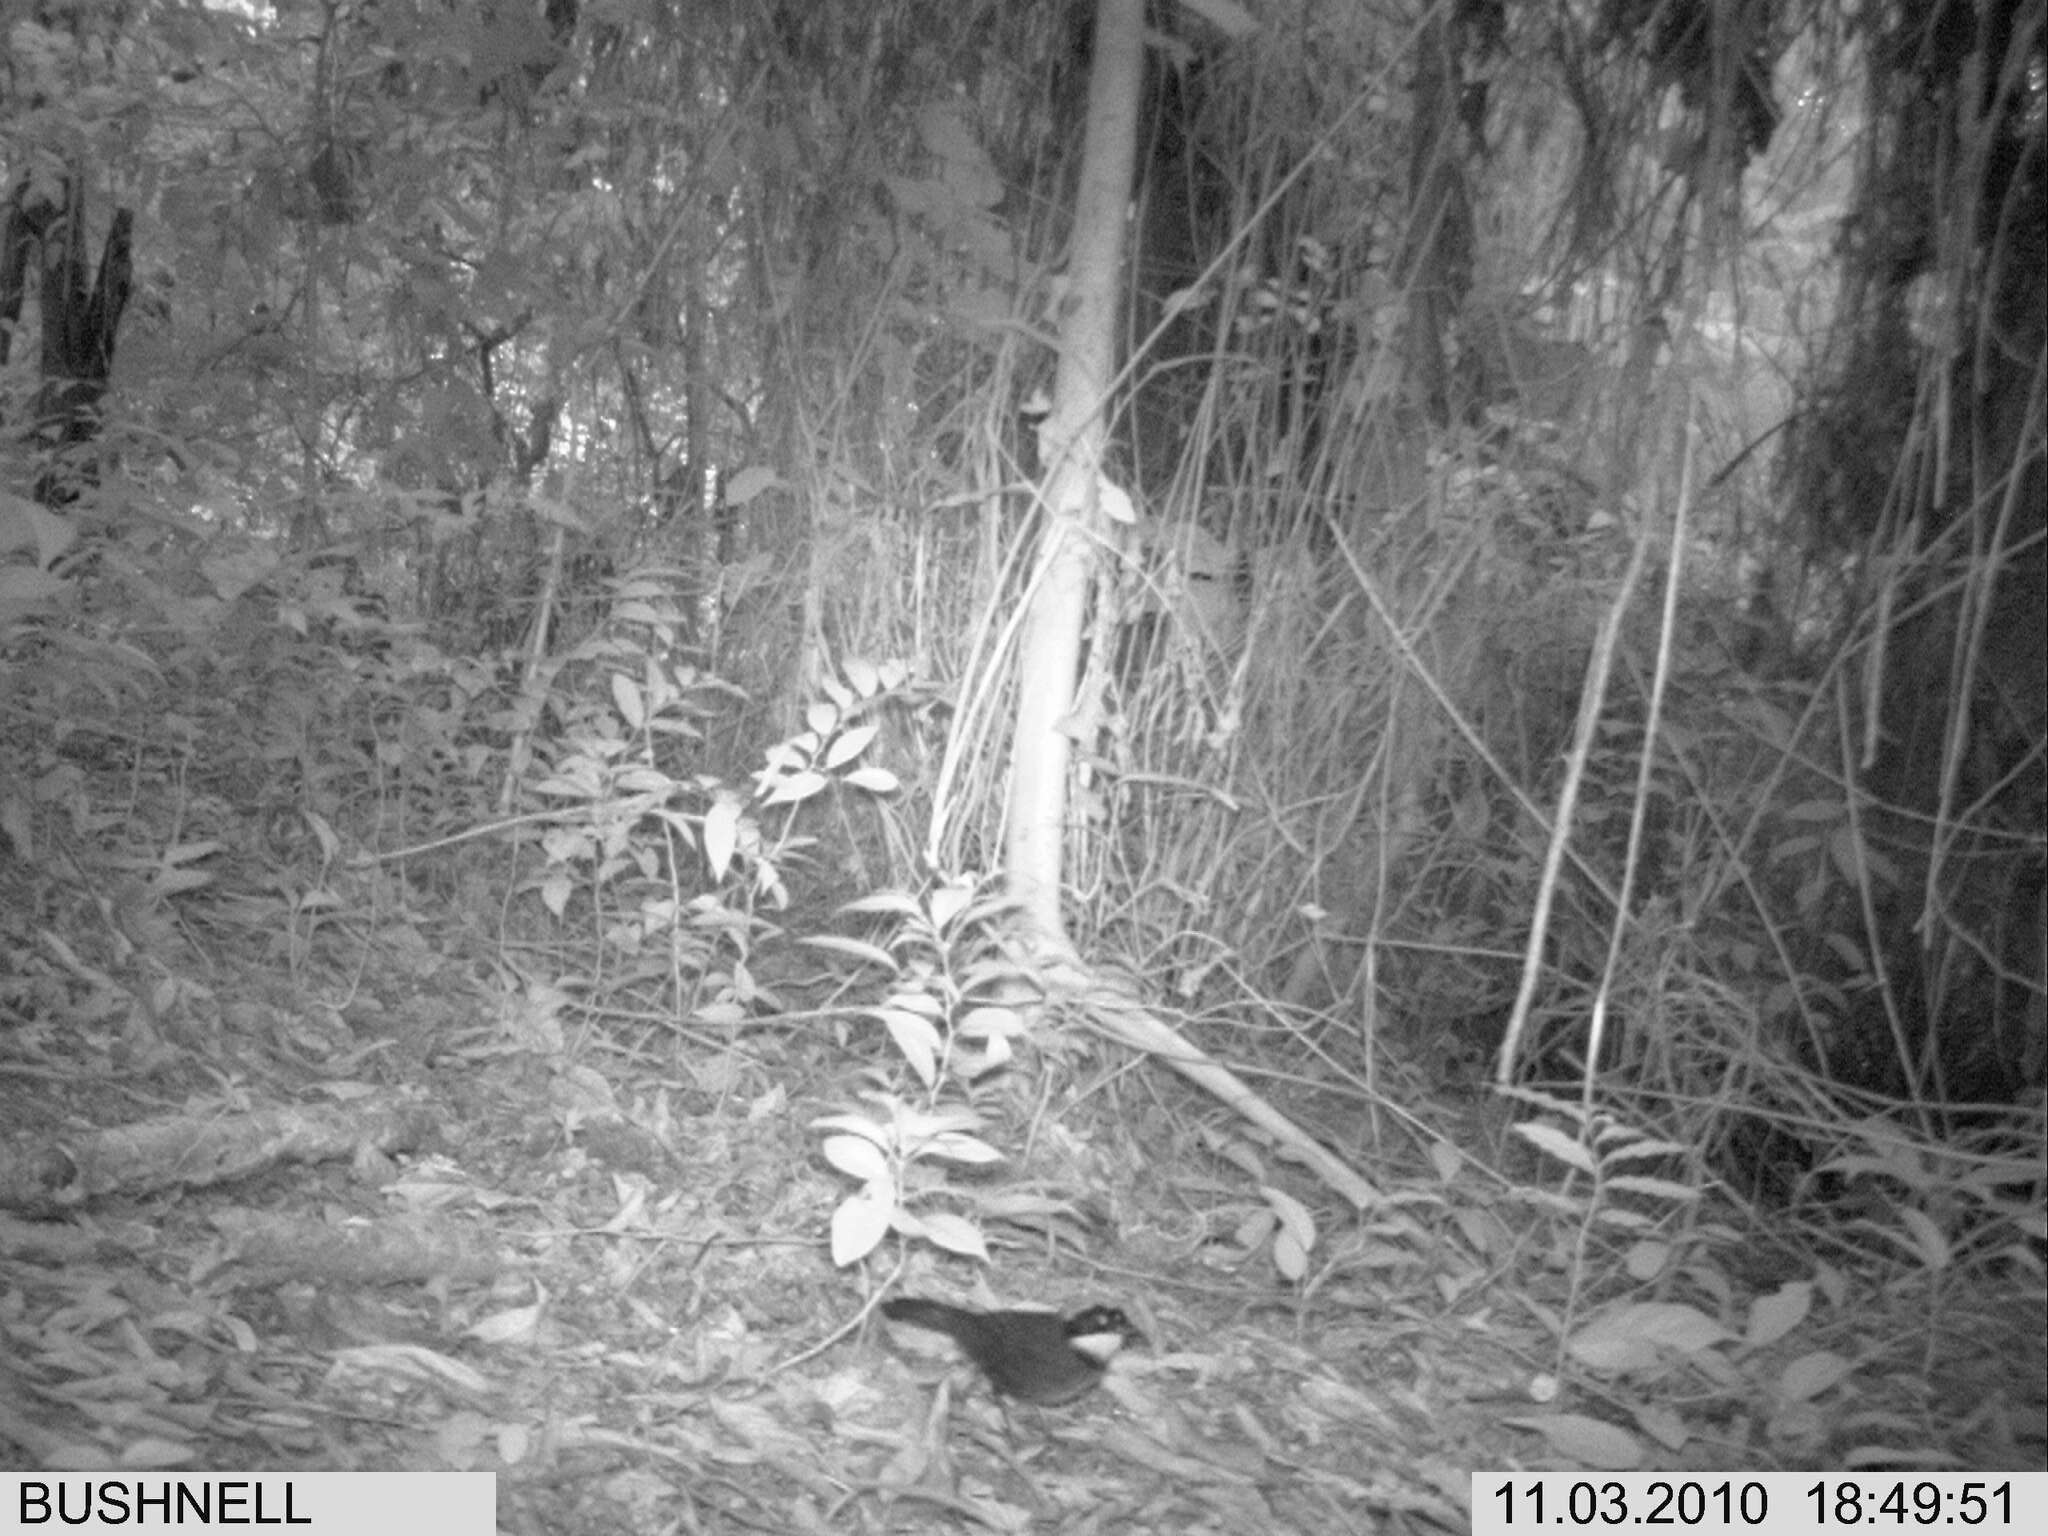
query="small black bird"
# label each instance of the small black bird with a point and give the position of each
(1035, 1357)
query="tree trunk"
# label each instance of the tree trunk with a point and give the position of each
(1049, 652)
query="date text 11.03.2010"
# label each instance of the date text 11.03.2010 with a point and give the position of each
(1758, 1503)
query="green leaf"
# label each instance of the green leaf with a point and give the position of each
(1637, 1151)
(1638, 1337)
(1295, 1220)
(1664, 1425)
(721, 835)
(956, 1148)
(956, 1234)
(947, 902)
(1588, 1441)
(918, 1041)
(1289, 1257)
(849, 745)
(890, 903)
(1646, 1260)
(876, 781)
(920, 1124)
(854, 1125)
(861, 676)
(1772, 1317)
(1548, 1138)
(860, 1223)
(857, 949)
(627, 698)
(1928, 1243)
(798, 786)
(1812, 1374)
(857, 1157)
(1655, 1189)
(554, 893)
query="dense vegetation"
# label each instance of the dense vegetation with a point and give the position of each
(513, 521)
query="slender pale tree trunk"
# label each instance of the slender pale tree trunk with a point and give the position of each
(1073, 437)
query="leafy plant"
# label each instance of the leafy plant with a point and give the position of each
(952, 1015)
(1277, 1219)
(1947, 1205)
(1618, 1201)
(886, 1151)
(631, 835)
(1750, 1351)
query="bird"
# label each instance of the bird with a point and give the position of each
(1034, 1357)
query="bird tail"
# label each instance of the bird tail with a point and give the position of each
(940, 1316)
